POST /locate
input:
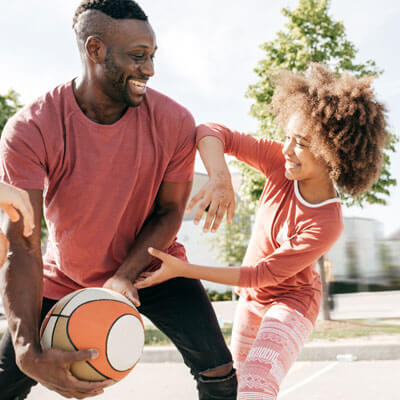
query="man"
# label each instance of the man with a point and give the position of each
(113, 161)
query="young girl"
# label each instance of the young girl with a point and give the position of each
(13, 200)
(335, 133)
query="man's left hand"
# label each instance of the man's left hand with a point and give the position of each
(123, 285)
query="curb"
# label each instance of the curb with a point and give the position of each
(311, 352)
(353, 352)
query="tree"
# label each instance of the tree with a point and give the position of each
(9, 105)
(310, 35)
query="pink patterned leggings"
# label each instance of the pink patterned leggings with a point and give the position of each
(265, 343)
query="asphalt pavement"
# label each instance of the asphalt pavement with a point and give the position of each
(366, 380)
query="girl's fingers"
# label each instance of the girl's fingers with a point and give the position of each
(11, 212)
(158, 254)
(231, 212)
(194, 200)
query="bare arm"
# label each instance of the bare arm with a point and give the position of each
(172, 267)
(21, 287)
(217, 195)
(159, 231)
(21, 283)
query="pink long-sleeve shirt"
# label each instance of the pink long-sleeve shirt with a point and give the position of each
(289, 234)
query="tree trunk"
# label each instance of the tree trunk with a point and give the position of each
(326, 315)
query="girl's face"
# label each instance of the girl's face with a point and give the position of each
(301, 164)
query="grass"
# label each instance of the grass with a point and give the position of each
(324, 330)
(154, 337)
(333, 330)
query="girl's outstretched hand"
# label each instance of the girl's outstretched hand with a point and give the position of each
(171, 267)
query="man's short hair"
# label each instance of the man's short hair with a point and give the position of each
(117, 9)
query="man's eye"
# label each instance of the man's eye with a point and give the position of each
(137, 56)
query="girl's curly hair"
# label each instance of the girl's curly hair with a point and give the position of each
(347, 126)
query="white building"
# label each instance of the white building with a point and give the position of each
(357, 253)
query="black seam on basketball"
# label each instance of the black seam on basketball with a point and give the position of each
(92, 366)
(108, 332)
(76, 294)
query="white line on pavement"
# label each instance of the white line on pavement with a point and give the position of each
(309, 379)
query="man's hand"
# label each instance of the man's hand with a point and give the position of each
(171, 267)
(217, 197)
(123, 285)
(51, 368)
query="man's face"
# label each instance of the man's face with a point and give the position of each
(129, 62)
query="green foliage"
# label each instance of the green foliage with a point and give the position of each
(310, 35)
(9, 105)
(213, 295)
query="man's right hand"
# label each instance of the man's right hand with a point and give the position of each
(51, 368)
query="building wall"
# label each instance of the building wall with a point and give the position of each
(357, 252)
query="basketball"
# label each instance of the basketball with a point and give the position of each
(100, 319)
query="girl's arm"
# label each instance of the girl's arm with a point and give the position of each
(173, 267)
(217, 195)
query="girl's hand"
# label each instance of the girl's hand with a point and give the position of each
(171, 267)
(13, 200)
(217, 197)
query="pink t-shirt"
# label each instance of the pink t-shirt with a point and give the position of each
(289, 234)
(100, 182)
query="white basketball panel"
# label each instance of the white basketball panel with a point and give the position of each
(47, 336)
(125, 342)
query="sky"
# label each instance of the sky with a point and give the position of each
(207, 54)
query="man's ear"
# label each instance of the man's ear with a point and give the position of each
(95, 49)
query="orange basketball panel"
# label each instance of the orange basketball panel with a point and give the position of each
(88, 328)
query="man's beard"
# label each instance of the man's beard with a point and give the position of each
(118, 82)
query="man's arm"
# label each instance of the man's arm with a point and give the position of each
(21, 287)
(21, 281)
(159, 231)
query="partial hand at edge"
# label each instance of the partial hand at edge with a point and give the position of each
(12, 200)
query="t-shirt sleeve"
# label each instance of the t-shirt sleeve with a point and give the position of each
(22, 155)
(294, 255)
(181, 166)
(261, 154)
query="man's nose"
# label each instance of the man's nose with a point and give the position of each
(147, 68)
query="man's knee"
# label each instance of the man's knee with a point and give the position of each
(222, 370)
(219, 383)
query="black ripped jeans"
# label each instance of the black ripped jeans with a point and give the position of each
(181, 309)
